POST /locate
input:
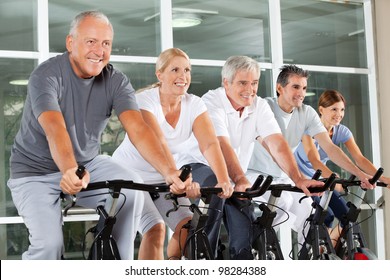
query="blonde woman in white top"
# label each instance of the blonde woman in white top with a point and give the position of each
(174, 115)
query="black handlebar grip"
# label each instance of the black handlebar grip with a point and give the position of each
(376, 176)
(257, 183)
(266, 185)
(317, 174)
(80, 171)
(185, 172)
(329, 183)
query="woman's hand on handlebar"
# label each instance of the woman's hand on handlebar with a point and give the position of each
(177, 186)
(193, 190)
(305, 184)
(385, 180)
(227, 189)
(364, 181)
(71, 183)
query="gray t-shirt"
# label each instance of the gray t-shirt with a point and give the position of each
(86, 105)
(303, 120)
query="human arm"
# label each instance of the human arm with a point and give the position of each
(151, 121)
(283, 156)
(314, 156)
(236, 174)
(60, 145)
(361, 161)
(148, 145)
(341, 159)
(209, 146)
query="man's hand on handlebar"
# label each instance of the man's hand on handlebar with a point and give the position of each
(242, 184)
(305, 184)
(71, 183)
(227, 189)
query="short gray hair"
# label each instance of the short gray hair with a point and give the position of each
(238, 63)
(81, 16)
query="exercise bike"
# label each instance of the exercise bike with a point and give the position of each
(104, 246)
(197, 246)
(352, 244)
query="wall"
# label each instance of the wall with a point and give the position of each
(382, 22)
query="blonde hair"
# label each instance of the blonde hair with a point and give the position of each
(163, 61)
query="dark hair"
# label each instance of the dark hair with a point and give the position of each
(330, 97)
(288, 70)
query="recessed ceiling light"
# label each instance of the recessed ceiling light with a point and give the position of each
(19, 82)
(185, 20)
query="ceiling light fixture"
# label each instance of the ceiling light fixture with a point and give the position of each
(185, 20)
(19, 82)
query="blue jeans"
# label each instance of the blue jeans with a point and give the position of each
(337, 208)
(238, 220)
(205, 177)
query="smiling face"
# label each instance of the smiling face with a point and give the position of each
(293, 94)
(243, 89)
(90, 47)
(176, 77)
(332, 115)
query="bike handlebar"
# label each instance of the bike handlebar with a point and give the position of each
(126, 184)
(345, 183)
(251, 192)
(259, 189)
(288, 187)
(117, 185)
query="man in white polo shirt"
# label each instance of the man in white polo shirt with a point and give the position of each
(240, 117)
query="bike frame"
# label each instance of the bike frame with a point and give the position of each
(352, 243)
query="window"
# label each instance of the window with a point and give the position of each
(18, 25)
(226, 28)
(328, 38)
(323, 33)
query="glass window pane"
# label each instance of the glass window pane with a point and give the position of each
(205, 78)
(133, 35)
(227, 27)
(140, 75)
(11, 100)
(323, 33)
(14, 237)
(265, 87)
(354, 88)
(18, 25)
